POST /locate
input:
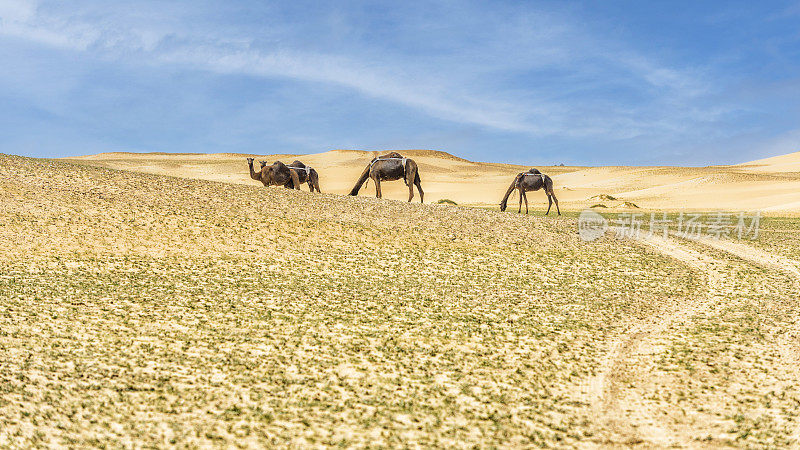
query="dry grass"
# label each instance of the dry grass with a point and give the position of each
(145, 310)
(780, 236)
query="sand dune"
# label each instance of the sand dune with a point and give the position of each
(783, 163)
(771, 184)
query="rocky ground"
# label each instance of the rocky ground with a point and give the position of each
(142, 310)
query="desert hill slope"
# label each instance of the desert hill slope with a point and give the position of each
(163, 311)
(338, 170)
(771, 185)
(781, 163)
(218, 313)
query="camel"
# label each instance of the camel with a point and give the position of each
(306, 174)
(391, 167)
(277, 174)
(253, 174)
(532, 180)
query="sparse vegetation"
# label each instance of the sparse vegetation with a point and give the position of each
(446, 201)
(156, 311)
(603, 197)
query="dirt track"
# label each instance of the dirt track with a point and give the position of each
(620, 390)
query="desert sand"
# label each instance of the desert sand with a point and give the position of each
(771, 185)
(159, 311)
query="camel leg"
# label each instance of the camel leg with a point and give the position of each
(409, 180)
(421, 194)
(377, 187)
(295, 179)
(315, 181)
(549, 204)
(525, 196)
(519, 210)
(556, 200)
(310, 185)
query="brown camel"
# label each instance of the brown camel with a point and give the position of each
(532, 180)
(306, 174)
(253, 174)
(277, 174)
(390, 167)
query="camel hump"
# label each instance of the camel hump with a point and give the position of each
(297, 163)
(392, 155)
(534, 170)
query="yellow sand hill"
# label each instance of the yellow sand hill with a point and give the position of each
(770, 185)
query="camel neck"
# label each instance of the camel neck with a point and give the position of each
(253, 174)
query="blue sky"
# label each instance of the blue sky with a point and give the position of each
(590, 82)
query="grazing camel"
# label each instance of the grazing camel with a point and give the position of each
(532, 180)
(390, 167)
(306, 174)
(279, 175)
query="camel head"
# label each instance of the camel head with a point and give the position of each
(250, 161)
(503, 205)
(263, 163)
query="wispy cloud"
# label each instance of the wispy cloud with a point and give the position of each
(526, 70)
(438, 90)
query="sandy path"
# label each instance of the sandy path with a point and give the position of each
(789, 341)
(756, 256)
(625, 418)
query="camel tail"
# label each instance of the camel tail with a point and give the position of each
(504, 202)
(361, 180)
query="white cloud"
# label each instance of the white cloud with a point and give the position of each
(446, 87)
(17, 10)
